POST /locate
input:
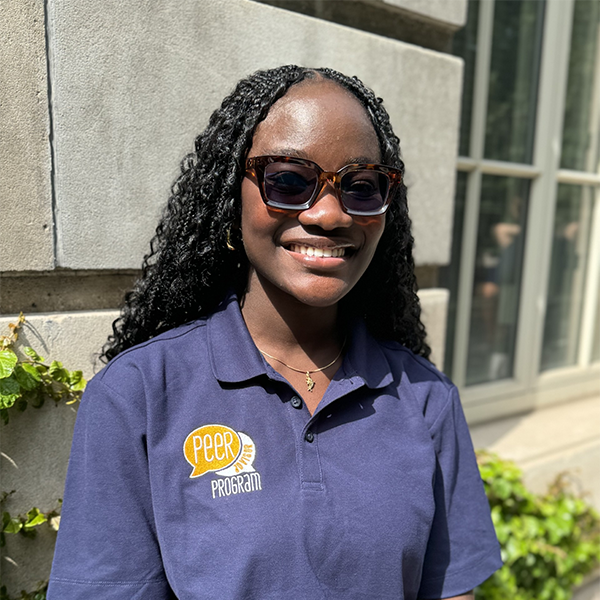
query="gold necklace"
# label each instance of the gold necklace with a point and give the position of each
(310, 383)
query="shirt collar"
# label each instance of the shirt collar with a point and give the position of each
(233, 355)
(366, 359)
(235, 358)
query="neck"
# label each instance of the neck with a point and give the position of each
(279, 323)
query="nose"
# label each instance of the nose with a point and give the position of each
(327, 212)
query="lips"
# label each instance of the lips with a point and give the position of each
(333, 252)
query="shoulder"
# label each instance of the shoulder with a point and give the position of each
(421, 382)
(138, 365)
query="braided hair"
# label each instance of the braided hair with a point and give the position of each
(190, 268)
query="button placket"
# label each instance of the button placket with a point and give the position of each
(306, 430)
(304, 427)
(310, 462)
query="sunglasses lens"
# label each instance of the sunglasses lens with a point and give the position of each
(364, 192)
(289, 184)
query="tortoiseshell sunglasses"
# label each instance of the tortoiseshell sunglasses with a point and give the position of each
(288, 183)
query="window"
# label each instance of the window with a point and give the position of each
(525, 268)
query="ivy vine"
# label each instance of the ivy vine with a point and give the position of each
(29, 380)
(26, 379)
(549, 542)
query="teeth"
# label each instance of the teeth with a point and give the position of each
(318, 252)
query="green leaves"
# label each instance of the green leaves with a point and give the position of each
(27, 376)
(38, 594)
(548, 542)
(34, 518)
(10, 391)
(58, 372)
(33, 354)
(26, 381)
(26, 524)
(8, 360)
(10, 524)
(77, 382)
(31, 381)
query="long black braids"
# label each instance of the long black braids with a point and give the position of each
(190, 267)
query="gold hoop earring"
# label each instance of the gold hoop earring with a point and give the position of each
(229, 245)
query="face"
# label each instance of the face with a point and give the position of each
(315, 256)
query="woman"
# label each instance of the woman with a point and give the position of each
(269, 426)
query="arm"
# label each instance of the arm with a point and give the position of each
(462, 550)
(107, 546)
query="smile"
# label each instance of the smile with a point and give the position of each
(318, 252)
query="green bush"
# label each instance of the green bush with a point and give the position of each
(549, 543)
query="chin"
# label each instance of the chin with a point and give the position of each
(319, 298)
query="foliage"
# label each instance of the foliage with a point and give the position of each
(26, 525)
(38, 594)
(549, 543)
(28, 380)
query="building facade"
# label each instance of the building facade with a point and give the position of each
(497, 105)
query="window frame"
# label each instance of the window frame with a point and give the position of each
(528, 388)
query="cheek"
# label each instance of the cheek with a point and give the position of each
(259, 225)
(255, 216)
(373, 228)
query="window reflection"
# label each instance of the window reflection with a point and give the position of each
(465, 46)
(497, 278)
(567, 276)
(448, 275)
(580, 129)
(514, 71)
(596, 342)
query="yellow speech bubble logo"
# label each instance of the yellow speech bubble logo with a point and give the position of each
(211, 448)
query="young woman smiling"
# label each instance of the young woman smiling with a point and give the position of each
(268, 425)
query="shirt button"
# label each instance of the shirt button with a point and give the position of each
(309, 437)
(296, 402)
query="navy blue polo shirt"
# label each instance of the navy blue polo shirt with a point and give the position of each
(197, 472)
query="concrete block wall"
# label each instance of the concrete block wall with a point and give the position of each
(126, 113)
(26, 215)
(99, 103)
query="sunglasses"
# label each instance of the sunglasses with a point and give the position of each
(288, 183)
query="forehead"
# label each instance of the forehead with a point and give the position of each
(321, 121)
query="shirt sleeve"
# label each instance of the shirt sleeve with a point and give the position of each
(107, 546)
(463, 550)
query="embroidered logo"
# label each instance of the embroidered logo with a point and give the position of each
(221, 450)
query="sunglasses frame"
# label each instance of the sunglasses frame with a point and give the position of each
(257, 164)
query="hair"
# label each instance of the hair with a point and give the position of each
(190, 269)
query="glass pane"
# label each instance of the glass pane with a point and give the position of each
(596, 342)
(514, 70)
(497, 278)
(567, 276)
(448, 275)
(580, 129)
(465, 46)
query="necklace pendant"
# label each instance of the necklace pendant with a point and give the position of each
(310, 384)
